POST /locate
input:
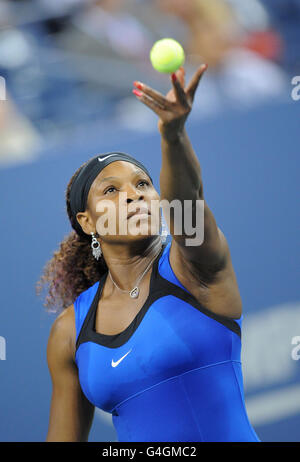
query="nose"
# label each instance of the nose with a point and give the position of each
(129, 199)
(133, 194)
(135, 198)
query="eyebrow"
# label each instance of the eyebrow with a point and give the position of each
(109, 178)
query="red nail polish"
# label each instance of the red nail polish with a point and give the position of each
(174, 78)
(138, 85)
(137, 93)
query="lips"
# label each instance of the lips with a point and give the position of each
(140, 210)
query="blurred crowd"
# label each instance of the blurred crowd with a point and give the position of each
(68, 64)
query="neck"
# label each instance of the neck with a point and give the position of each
(126, 263)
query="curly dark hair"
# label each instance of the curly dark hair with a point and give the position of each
(72, 269)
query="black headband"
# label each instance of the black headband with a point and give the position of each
(83, 181)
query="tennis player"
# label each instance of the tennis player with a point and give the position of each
(150, 331)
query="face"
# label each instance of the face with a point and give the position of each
(119, 190)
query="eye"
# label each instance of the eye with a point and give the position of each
(143, 181)
(108, 189)
(112, 187)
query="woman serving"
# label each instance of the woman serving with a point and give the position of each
(150, 332)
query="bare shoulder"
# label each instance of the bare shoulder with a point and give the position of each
(62, 336)
(214, 286)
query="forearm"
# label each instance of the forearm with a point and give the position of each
(180, 175)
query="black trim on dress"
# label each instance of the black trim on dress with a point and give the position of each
(159, 287)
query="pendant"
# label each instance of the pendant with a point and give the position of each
(134, 293)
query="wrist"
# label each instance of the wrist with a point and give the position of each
(173, 136)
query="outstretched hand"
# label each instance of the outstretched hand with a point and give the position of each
(174, 108)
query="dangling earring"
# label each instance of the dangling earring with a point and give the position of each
(164, 229)
(96, 247)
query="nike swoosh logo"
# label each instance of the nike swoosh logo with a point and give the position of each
(103, 158)
(114, 364)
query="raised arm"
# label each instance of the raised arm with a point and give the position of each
(180, 176)
(71, 414)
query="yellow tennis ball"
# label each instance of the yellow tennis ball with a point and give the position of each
(167, 55)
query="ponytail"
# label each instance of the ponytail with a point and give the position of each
(72, 269)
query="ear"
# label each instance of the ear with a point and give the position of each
(85, 222)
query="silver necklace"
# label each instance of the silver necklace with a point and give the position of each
(134, 293)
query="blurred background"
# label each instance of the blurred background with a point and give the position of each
(66, 74)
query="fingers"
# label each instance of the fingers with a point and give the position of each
(155, 95)
(184, 96)
(181, 76)
(156, 106)
(179, 91)
(194, 82)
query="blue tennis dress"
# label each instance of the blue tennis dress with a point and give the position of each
(174, 374)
